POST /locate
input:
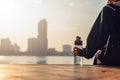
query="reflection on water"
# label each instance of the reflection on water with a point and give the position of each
(40, 60)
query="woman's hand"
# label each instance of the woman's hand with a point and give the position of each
(76, 51)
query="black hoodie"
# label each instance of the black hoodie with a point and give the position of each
(107, 24)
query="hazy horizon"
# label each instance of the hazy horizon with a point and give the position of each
(66, 19)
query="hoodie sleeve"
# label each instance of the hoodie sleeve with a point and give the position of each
(99, 33)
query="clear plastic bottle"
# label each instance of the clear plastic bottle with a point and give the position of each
(78, 60)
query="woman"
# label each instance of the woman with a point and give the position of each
(105, 36)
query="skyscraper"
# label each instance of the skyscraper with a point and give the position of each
(42, 40)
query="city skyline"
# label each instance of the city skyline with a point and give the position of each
(7, 48)
(66, 19)
(33, 43)
(36, 46)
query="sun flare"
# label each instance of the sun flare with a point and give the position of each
(1, 57)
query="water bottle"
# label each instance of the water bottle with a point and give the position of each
(78, 60)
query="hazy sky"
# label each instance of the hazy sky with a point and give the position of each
(66, 19)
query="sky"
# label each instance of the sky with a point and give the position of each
(66, 19)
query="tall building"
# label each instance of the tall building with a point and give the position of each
(42, 40)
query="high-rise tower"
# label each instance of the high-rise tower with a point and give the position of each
(42, 37)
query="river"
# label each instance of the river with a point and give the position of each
(41, 60)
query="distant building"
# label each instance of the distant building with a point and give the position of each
(39, 45)
(42, 37)
(6, 46)
(67, 48)
(32, 45)
(51, 51)
(16, 48)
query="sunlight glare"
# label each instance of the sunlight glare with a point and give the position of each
(1, 57)
(1, 74)
(6, 12)
(5, 6)
(71, 4)
(38, 2)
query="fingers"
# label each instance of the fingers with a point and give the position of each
(75, 51)
(76, 54)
